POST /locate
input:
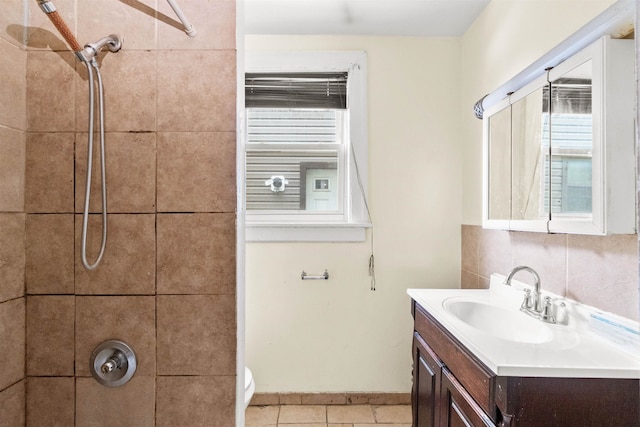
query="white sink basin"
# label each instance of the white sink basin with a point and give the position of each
(507, 324)
(509, 342)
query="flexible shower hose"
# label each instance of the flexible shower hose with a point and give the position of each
(91, 65)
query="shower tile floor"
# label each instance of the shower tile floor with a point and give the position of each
(328, 416)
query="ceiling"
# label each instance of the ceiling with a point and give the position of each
(427, 18)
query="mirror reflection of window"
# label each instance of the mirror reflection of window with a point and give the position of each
(568, 189)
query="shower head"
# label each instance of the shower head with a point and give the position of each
(111, 42)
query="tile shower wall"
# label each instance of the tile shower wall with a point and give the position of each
(13, 119)
(167, 282)
(595, 270)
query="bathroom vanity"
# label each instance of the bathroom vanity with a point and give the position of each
(555, 375)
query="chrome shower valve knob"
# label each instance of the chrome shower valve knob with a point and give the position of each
(113, 363)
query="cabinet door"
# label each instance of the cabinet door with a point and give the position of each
(427, 369)
(458, 407)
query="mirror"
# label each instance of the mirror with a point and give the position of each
(571, 144)
(559, 150)
(499, 153)
(530, 148)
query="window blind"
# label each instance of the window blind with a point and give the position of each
(296, 90)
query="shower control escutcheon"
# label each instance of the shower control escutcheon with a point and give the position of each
(113, 363)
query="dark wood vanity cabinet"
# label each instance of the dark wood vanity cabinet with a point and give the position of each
(452, 388)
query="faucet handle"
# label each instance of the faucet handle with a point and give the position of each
(526, 302)
(547, 311)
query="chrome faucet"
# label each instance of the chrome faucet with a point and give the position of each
(537, 298)
(536, 308)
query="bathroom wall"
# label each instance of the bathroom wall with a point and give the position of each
(166, 285)
(599, 271)
(13, 89)
(338, 335)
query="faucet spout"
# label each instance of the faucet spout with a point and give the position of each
(537, 297)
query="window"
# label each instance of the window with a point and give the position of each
(305, 146)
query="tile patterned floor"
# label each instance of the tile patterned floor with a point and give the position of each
(329, 416)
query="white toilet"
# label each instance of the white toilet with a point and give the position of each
(249, 387)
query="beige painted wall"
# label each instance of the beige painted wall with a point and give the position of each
(338, 335)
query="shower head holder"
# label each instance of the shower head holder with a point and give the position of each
(113, 42)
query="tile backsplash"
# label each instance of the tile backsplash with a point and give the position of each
(169, 265)
(600, 271)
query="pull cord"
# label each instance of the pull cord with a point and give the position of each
(372, 259)
(103, 173)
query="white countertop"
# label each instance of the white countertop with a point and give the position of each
(574, 351)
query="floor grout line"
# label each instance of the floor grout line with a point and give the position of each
(394, 416)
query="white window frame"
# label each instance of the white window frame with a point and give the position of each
(352, 225)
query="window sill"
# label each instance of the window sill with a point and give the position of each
(341, 232)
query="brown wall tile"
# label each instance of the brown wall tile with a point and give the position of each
(193, 102)
(196, 401)
(50, 335)
(470, 236)
(213, 20)
(196, 254)
(12, 336)
(603, 272)
(196, 335)
(131, 173)
(51, 91)
(50, 401)
(12, 407)
(128, 265)
(132, 404)
(12, 249)
(494, 253)
(469, 280)
(49, 254)
(49, 172)
(196, 172)
(12, 14)
(134, 19)
(13, 91)
(129, 94)
(127, 318)
(12, 169)
(546, 254)
(146, 90)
